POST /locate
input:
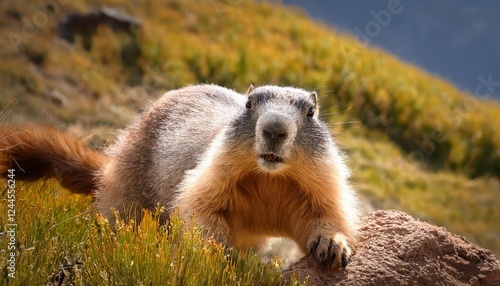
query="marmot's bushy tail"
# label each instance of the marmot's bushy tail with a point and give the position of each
(44, 152)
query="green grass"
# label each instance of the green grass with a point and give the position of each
(61, 239)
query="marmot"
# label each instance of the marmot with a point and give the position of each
(245, 167)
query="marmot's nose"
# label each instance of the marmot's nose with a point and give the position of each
(275, 131)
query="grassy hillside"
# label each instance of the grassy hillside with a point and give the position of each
(415, 142)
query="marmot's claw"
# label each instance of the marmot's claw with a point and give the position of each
(332, 251)
(312, 249)
(345, 261)
(313, 246)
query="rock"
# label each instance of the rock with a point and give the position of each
(85, 24)
(396, 249)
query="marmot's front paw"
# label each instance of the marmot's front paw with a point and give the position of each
(330, 250)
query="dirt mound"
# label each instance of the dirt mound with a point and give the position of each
(396, 249)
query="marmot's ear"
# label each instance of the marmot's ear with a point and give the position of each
(250, 89)
(314, 97)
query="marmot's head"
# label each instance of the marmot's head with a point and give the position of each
(286, 125)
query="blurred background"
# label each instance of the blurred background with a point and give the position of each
(457, 40)
(410, 99)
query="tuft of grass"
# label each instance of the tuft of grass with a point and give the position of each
(61, 240)
(51, 228)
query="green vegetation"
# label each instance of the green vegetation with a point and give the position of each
(415, 142)
(66, 242)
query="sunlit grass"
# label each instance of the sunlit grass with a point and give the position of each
(60, 239)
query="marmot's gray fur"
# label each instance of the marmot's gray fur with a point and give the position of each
(247, 167)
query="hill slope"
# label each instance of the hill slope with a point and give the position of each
(415, 141)
(440, 36)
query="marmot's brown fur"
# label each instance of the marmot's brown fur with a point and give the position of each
(247, 167)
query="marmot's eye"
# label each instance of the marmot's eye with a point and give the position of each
(249, 103)
(310, 112)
